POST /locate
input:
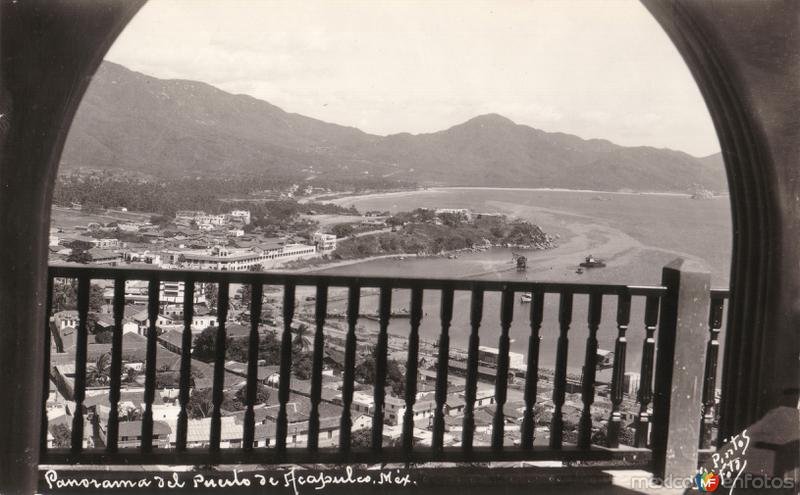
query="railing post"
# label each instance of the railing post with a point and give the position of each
(680, 363)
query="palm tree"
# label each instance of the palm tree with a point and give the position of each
(200, 404)
(131, 374)
(64, 294)
(128, 412)
(302, 339)
(100, 373)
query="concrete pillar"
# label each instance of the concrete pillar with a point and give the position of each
(680, 366)
(745, 57)
(47, 53)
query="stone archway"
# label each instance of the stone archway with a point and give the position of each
(746, 60)
(744, 56)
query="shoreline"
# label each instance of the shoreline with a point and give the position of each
(386, 194)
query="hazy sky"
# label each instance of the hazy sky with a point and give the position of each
(598, 69)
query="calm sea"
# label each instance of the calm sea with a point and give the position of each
(636, 234)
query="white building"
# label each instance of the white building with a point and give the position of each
(489, 356)
(211, 220)
(325, 242)
(148, 257)
(631, 383)
(242, 259)
(173, 292)
(186, 216)
(128, 227)
(105, 243)
(242, 216)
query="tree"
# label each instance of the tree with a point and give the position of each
(168, 379)
(96, 298)
(365, 371)
(103, 337)
(211, 293)
(302, 365)
(205, 344)
(129, 412)
(395, 376)
(79, 256)
(269, 349)
(65, 295)
(361, 438)
(99, 374)
(200, 404)
(301, 339)
(542, 416)
(627, 436)
(342, 230)
(246, 294)
(80, 245)
(131, 374)
(263, 394)
(159, 220)
(238, 349)
(62, 437)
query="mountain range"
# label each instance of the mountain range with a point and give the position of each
(135, 122)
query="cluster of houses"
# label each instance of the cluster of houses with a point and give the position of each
(166, 406)
(197, 241)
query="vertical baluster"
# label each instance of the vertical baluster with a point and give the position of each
(589, 371)
(618, 377)
(116, 366)
(532, 375)
(560, 378)
(256, 293)
(150, 366)
(709, 386)
(186, 364)
(320, 312)
(48, 322)
(646, 381)
(501, 382)
(217, 392)
(282, 426)
(442, 363)
(80, 363)
(412, 367)
(382, 348)
(353, 301)
(475, 317)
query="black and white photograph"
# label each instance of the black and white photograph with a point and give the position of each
(290, 247)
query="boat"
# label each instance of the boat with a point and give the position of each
(525, 298)
(579, 270)
(592, 262)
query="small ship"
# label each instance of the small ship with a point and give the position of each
(592, 262)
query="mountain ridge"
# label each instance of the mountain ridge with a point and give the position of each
(132, 121)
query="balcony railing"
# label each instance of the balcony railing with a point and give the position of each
(640, 454)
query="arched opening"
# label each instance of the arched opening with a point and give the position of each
(763, 227)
